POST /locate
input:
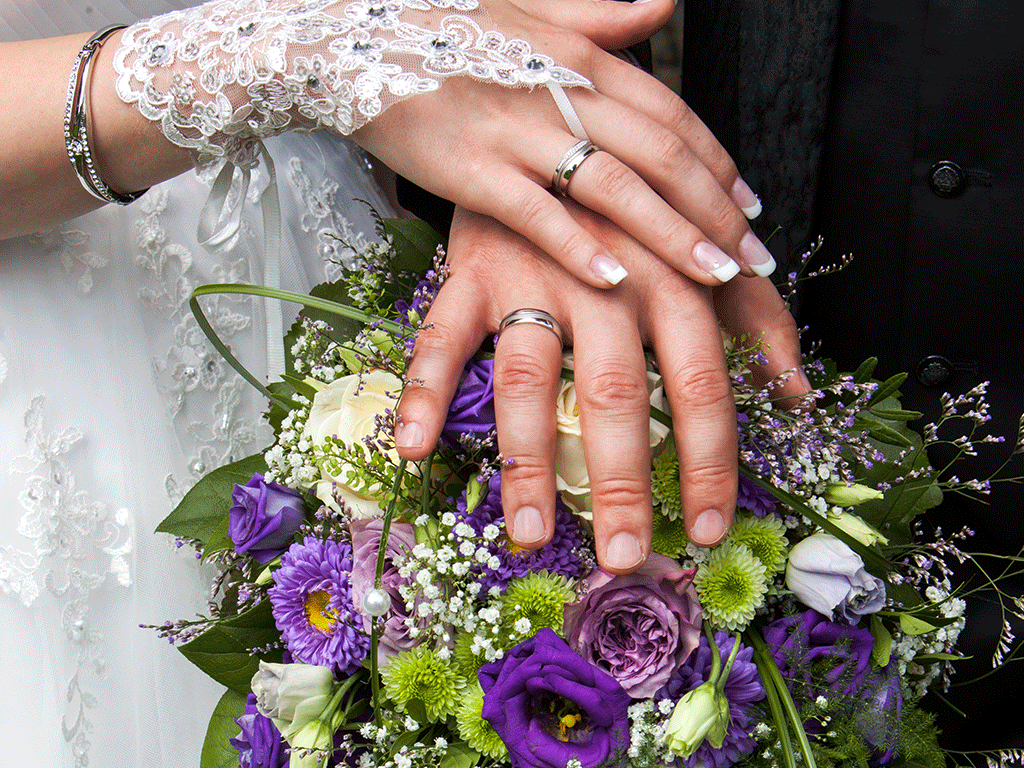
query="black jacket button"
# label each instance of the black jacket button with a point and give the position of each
(947, 179)
(934, 370)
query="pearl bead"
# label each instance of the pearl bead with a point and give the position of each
(376, 602)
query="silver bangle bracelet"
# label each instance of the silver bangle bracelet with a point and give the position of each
(76, 130)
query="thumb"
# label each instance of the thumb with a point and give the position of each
(608, 24)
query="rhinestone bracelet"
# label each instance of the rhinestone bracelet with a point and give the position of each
(76, 134)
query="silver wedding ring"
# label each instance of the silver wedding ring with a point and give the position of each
(571, 161)
(535, 317)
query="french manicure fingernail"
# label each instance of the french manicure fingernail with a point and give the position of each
(756, 255)
(608, 269)
(623, 551)
(528, 526)
(409, 434)
(708, 529)
(715, 261)
(745, 199)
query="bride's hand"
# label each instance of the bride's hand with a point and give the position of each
(495, 272)
(662, 176)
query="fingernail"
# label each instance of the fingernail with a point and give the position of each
(708, 530)
(528, 526)
(756, 255)
(745, 199)
(608, 269)
(409, 434)
(715, 262)
(623, 552)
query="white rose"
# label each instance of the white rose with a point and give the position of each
(348, 408)
(571, 476)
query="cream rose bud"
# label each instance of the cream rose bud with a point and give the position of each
(348, 408)
(292, 695)
(856, 527)
(571, 476)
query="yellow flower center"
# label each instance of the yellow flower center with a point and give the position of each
(565, 723)
(319, 615)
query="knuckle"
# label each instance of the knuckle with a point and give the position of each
(620, 493)
(533, 210)
(702, 385)
(437, 339)
(615, 181)
(524, 472)
(721, 216)
(614, 386)
(519, 375)
(670, 152)
(706, 478)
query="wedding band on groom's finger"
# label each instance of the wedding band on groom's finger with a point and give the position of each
(533, 317)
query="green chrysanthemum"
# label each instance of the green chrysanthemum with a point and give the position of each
(533, 602)
(731, 586)
(477, 732)
(765, 537)
(665, 484)
(423, 676)
(669, 536)
(465, 660)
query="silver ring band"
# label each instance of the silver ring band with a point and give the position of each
(535, 317)
(570, 162)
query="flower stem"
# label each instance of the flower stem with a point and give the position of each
(768, 668)
(378, 579)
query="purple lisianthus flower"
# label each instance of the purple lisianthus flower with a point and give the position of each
(472, 408)
(365, 546)
(264, 518)
(818, 657)
(312, 605)
(638, 627)
(742, 688)
(879, 714)
(754, 498)
(548, 705)
(564, 554)
(826, 575)
(260, 744)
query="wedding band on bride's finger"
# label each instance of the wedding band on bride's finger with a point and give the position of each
(571, 161)
(534, 317)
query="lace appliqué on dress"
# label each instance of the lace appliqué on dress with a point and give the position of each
(203, 397)
(223, 75)
(74, 545)
(69, 246)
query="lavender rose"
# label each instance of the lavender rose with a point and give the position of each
(264, 518)
(548, 705)
(472, 408)
(365, 545)
(260, 744)
(638, 628)
(828, 576)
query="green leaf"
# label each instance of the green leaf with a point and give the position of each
(932, 658)
(881, 651)
(881, 431)
(406, 739)
(301, 386)
(217, 749)
(203, 513)
(223, 650)
(912, 625)
(460, 755)
(888, 387)
(415, 244)
(896, 414)
(864, 370)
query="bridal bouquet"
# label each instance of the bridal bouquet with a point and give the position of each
(371, 612)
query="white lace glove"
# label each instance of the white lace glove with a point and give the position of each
(223, 75)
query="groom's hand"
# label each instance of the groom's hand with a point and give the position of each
(495, 272)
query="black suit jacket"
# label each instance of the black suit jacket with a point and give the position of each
(896, 132)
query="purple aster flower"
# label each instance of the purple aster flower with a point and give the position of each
(742, 688)
(548, 705)
(312, 605)
(260, 744)
(564, 554)
(472, 408)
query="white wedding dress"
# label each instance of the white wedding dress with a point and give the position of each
(112, 403)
